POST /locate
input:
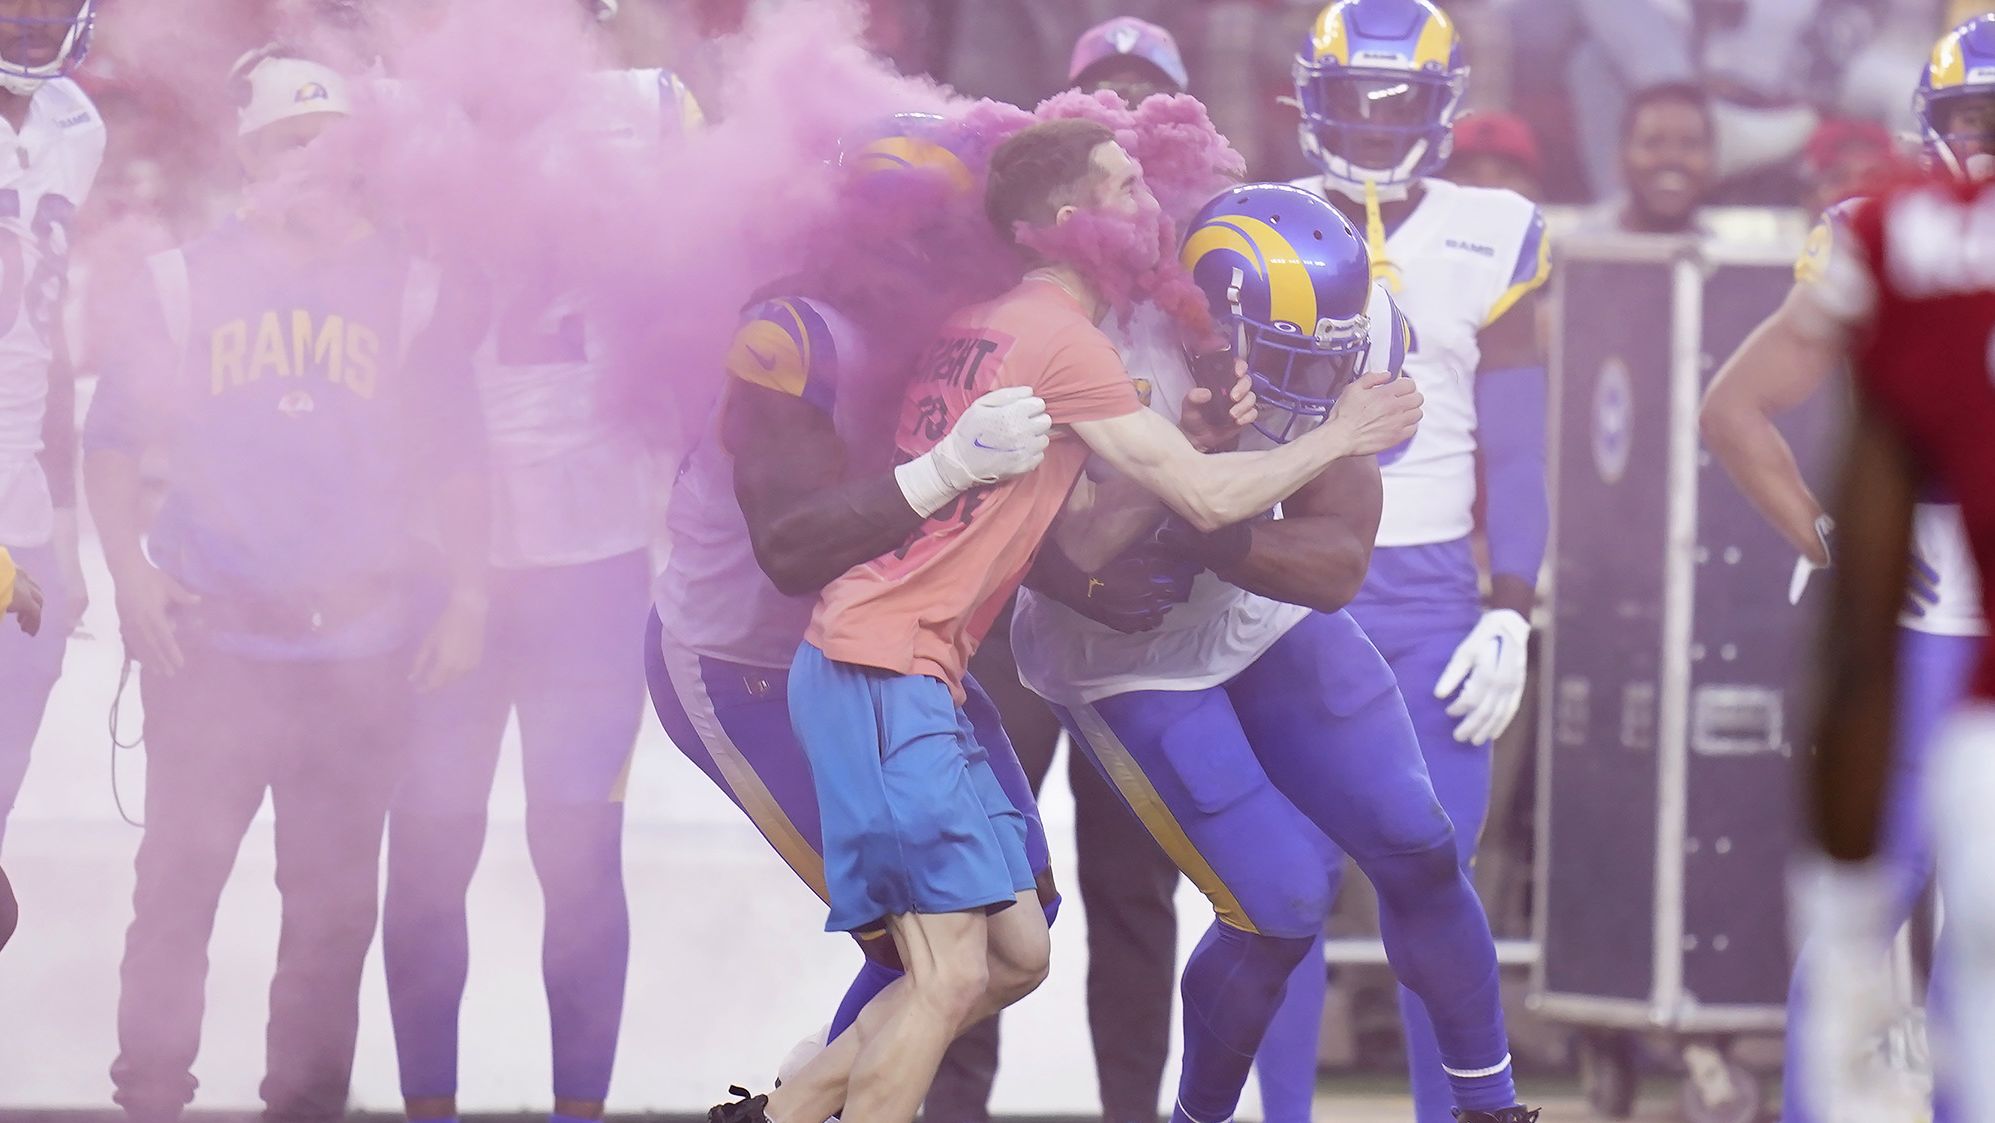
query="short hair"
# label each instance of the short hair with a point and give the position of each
(1665, 93)
(1040, 170)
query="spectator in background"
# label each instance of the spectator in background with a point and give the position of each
(1130, 58)
(310, 382)
(1127, 882)
(1495, 149)
(1668, 158)
(1842, 156)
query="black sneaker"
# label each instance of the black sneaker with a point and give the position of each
(748, 1109)
(1518, 1114)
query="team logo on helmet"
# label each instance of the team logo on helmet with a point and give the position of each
(909, 142)
(1379, 83)
(1960, 72)
(1290, 280)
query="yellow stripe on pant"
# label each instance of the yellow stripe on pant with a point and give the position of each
(1128, 779)
(683, 667)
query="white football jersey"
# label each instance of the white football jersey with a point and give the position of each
(1465, 256)
(572, 484)
(46, 170)
(1221, 630)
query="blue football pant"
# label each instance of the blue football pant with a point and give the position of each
(560, 652)
(1417, 605)
(1240, 783)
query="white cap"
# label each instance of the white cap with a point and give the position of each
(274, 87)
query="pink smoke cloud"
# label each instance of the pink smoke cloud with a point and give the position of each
(1185, 162)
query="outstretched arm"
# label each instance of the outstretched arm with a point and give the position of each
(1213, 491)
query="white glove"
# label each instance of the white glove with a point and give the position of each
(1841, 916)
(1491, 661)
(1003, 434)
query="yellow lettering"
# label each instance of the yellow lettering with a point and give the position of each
(225, 353)
(269, 349)
(301, 338)
(363, 351)
(328, 348)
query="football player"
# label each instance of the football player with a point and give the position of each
(1781, 364)
(1379, 82)
(58, 141)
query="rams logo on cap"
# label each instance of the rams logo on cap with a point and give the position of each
(310, 91)
(1125, 38)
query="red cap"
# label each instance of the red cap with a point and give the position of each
(1495, 133)
(1835, 134)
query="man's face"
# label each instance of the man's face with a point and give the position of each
(1119, 189)
(1487, 169)
(1131, 79)
(280, 146)
(33, 30)
(1969, 127)
(1667, 161)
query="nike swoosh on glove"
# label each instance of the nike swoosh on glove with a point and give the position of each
(1488, 670)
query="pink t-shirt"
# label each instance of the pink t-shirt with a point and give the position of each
(925, 607)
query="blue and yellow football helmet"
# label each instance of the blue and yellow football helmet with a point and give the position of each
(35, 49)
(1379, 82)
(921, 143)
(1289, 281)
(1961, 71)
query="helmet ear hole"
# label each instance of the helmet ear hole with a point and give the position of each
(1318, 234)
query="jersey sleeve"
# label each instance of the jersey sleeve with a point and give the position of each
(787, 345)
(1532, 268)
(1086, 380)
(1391, 334)
(1836, 268)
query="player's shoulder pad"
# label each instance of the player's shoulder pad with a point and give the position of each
(788, 344)
(1392, 336)
(1531, 267)
(1833, 225)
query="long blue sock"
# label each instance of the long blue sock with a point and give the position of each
(871, 980)
(577, 852)
(1452, 966)
(557, 1117)
(1286, 1062)
(1232, 985)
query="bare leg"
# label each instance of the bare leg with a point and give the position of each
(1018, 952)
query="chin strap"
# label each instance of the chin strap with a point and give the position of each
(1383, 270)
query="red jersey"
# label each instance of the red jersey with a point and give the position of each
(1915, 282)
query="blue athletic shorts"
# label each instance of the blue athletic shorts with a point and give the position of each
(913, 815)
